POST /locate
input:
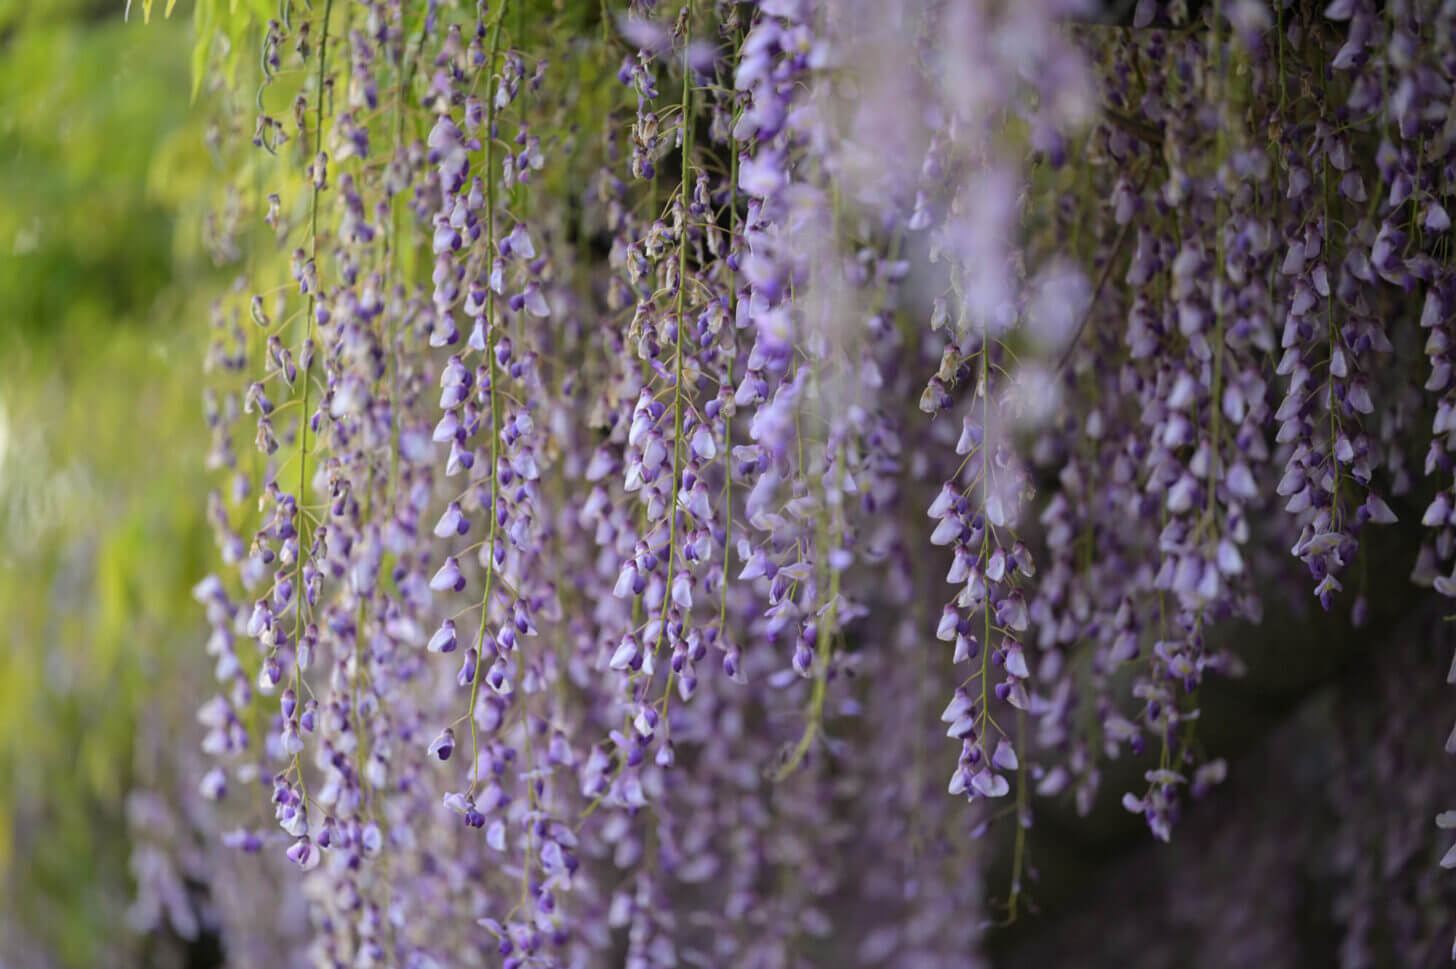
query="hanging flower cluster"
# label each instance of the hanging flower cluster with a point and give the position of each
(643, 376)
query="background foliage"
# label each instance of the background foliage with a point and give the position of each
(101, 167)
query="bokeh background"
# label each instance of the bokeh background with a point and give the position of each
(103, 159)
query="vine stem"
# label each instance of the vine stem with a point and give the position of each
(495, 422)
(1018, 863)
(677, 395)
(1220, 157)
(987, 483)
(298, 590)
(406, 78)
(824, 640)
(1097, 288)
(732, 360)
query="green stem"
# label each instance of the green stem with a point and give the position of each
(406, 77)
(677, 389)
(495, 421)
(728, 418)
(298, 590)
(1018, 862)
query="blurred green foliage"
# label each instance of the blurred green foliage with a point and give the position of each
(103, 164)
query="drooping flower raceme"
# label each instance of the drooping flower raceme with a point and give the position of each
(713, 462)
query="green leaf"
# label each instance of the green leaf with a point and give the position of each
(203, 27)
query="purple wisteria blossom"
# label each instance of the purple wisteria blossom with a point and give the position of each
(825, 432)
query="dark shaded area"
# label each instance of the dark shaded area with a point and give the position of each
(1320, 849)
(164, 947)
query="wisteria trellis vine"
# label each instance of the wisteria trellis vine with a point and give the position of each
(584, 553)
